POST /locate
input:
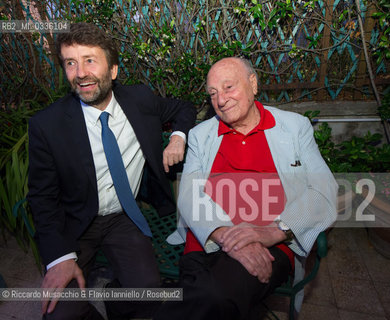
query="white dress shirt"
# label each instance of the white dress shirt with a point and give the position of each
(133, 158)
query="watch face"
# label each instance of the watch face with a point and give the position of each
(283, 226)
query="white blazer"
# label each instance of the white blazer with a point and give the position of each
(310, 188)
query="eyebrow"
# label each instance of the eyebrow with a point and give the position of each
(228, 81)
(209, 89)
(85, 57)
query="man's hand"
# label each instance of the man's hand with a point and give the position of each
(239, 236)
(174, 152)
(57, 278)
(254, 256)
(256, 259)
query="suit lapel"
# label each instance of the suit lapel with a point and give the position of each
(284, 153)
(282, 148)
(215, 142)
(139, 126)
(78, 133)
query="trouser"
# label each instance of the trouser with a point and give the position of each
(216, 286)
(131, 256)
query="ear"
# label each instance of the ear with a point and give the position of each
(253, 82)
(114, 71)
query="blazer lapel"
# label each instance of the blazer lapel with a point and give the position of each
(285, 154)
(282, 148)
(214, 141)
(77, 130)
(140, 128)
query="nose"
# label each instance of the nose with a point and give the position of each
(81, 72)
(221, 99)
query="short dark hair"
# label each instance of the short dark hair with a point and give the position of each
(88, 34)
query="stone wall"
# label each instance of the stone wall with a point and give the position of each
(339, 110)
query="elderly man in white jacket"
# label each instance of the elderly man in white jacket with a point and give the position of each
(239, 264)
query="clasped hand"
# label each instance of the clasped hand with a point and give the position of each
(248, 244)
(256, 259)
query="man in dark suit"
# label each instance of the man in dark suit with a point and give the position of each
(76, 203)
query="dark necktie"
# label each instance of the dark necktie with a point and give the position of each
(119, 177)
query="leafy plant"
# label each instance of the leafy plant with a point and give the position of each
(358, 154)
(361, 154)
(15, 214)
(383, 16)
(384, 108)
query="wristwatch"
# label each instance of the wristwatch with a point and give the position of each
(285, 228)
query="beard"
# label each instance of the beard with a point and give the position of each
(99, 94)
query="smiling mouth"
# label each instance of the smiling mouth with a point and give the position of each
(226, 108)
(86, 84)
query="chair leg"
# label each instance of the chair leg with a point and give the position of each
(271, 315)
(291, 315)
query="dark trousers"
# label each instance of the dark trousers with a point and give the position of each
(131, 257)
(215, 286)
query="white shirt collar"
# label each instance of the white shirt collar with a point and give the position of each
(92, 114)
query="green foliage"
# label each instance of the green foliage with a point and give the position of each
(384, 108)
(284, 38)
(311, 114)
(49, 95)
(359, 154)
(383, 15)
(323, 136)
(15, 214)
(13, 125)
(228, 49)
(270, 16)
(98, 11)
(363, 155)
(13, 167)
(160, 55)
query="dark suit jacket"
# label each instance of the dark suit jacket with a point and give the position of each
(62, 181)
